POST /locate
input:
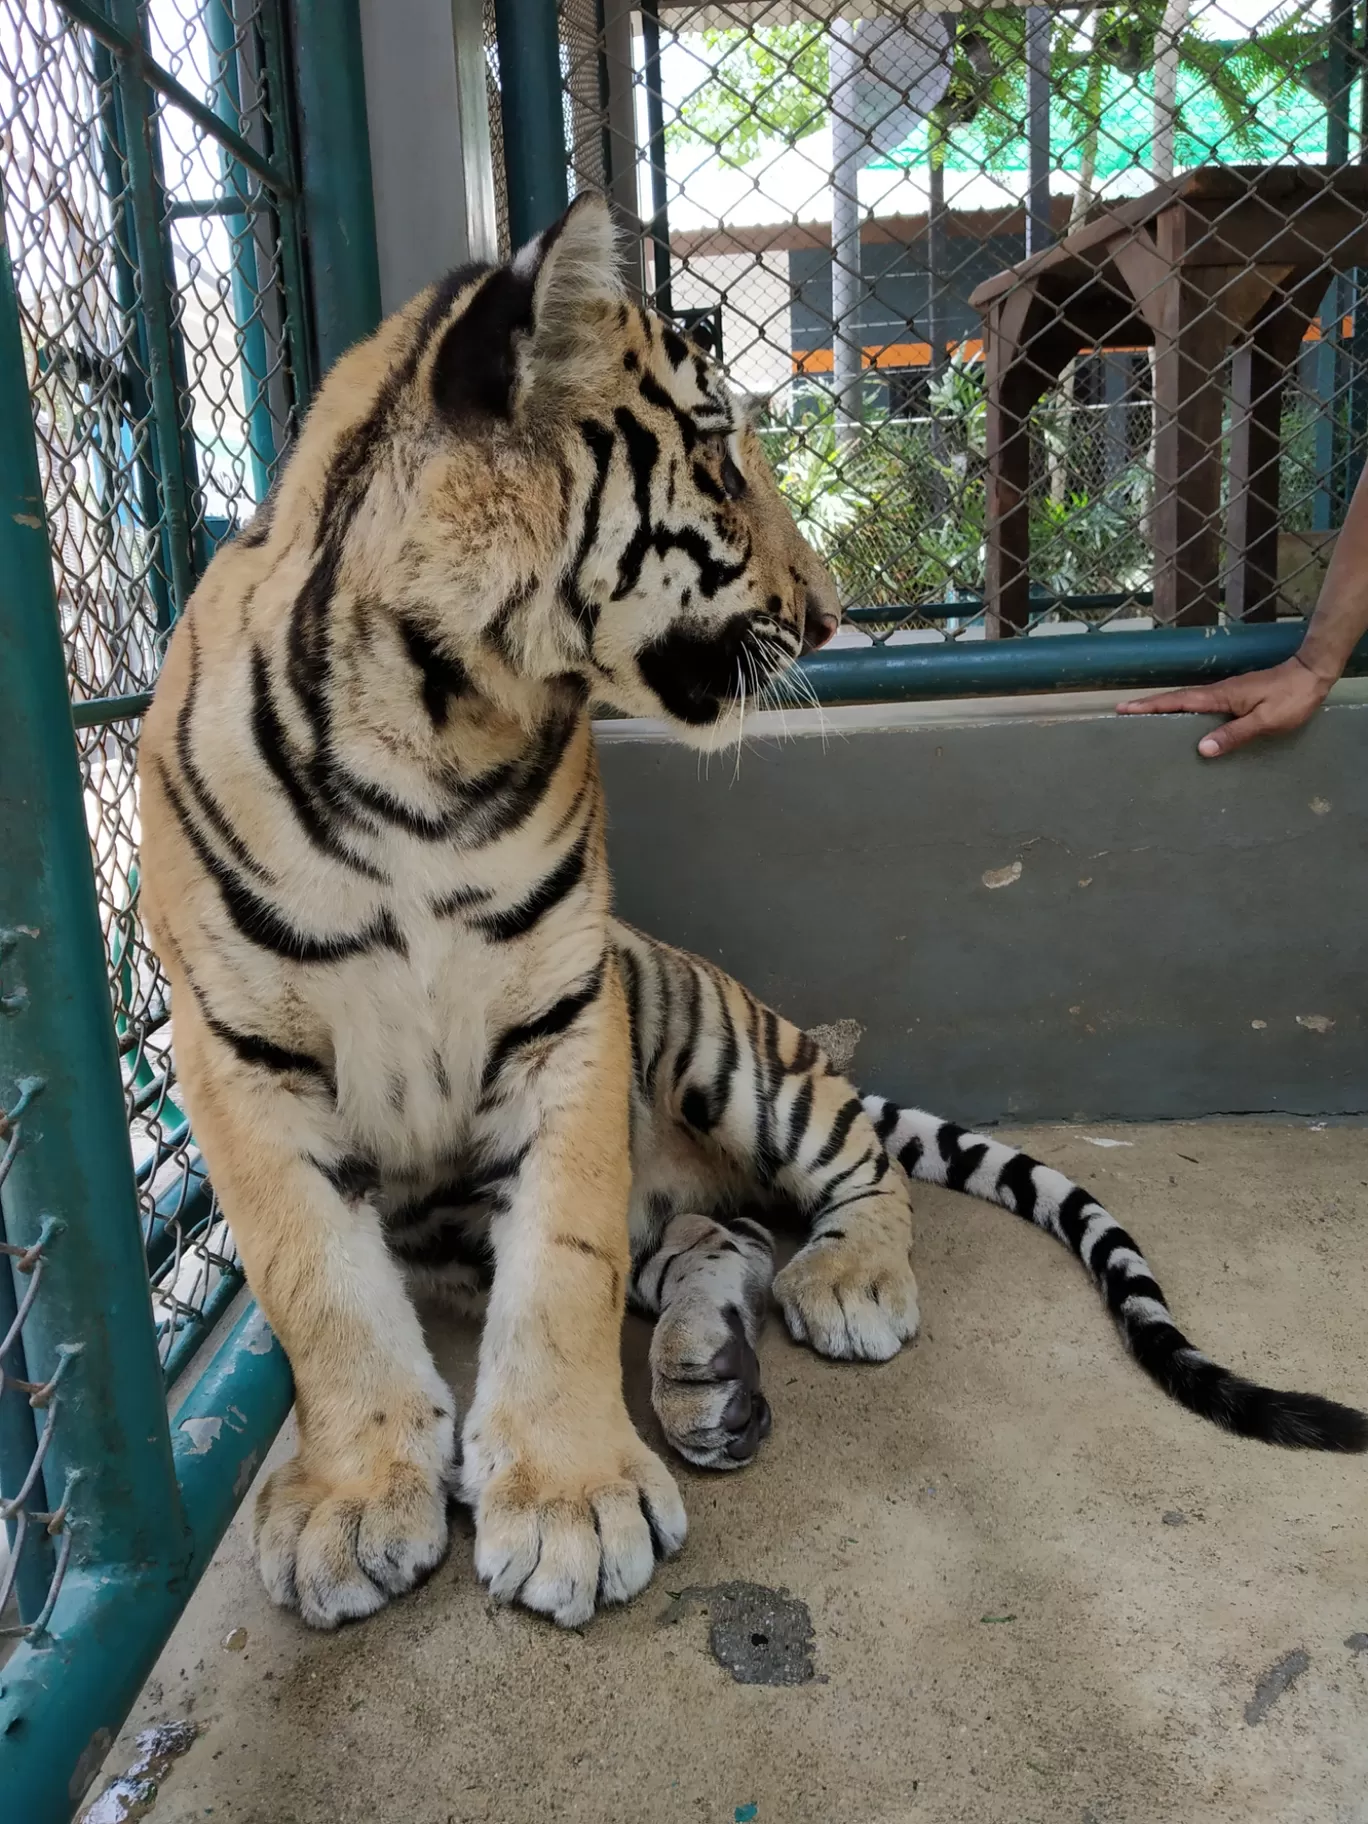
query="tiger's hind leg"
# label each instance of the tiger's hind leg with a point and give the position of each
(850, 1290)
(755, 1097)
(708, 1287)
(754, 1101)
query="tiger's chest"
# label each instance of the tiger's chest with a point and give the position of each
(414, 1032)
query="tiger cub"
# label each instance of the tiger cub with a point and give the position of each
(416, 1047)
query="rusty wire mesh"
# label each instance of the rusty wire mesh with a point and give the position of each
(821, 189)
(166, 366)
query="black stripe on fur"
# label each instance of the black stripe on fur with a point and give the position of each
(517, 921)
(272, 744)
(261, 923)
(557, 1019)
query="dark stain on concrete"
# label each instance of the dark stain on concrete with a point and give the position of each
(761, 1636)
(1280, 1677)
(1357, 1643)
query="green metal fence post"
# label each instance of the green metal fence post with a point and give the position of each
(70, 1189)
(134, 359)
(533, 115)
(302, 353)
(74, 1166)
(221, 28)
(339, 205)
(169, 408)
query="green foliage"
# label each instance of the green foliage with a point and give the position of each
(769, 84)
(897, 507)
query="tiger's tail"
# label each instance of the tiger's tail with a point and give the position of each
(939, 1152)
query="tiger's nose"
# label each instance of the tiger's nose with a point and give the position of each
(820, 621)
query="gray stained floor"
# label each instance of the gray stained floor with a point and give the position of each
(1035, 1590)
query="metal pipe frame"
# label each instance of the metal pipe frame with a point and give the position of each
(125, 40)
(658, 229)
(140, 1501)
(1103, 661)
(533, 115)
(339, 204)
(181, 504)
(221, 29)
(70, 1189)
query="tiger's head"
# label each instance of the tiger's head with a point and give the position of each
(580, 482)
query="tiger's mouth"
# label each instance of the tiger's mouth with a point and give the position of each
(703, 676)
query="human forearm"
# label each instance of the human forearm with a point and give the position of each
(1341, 617)
(1283, 698)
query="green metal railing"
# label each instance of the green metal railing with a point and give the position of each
(188, 240)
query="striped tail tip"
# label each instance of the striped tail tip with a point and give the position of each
(940, 1152)
(1297, 1421)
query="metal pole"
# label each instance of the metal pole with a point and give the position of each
(128, 44)
(339, 207)
(170, 406)
(1100, 661)
(134, 370)
(302, 354)
(533, 115)
(1165, 114)
(472, 98)
(71, 1185)
(936, 253)
(849, 151)
(253, 366)
(62, 1704)
(1358, 292)
(1327, 505)
(655, 121)
(1038, 227)
(620, 139)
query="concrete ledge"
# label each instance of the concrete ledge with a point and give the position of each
(1035, 909)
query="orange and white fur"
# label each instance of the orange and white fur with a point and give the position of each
(416, 1046)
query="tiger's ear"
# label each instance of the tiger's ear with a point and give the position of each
(573, 262)
(530, 309)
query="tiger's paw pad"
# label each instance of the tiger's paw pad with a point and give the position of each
(338, 1551)
(705, 1386)
(563, 1544)
(849, 1301)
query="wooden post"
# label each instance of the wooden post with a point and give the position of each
(1020, 367)
(1259, 369)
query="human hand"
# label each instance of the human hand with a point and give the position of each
(1272, 702)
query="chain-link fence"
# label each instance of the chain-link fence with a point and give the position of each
(1054, 309)
(149, 217)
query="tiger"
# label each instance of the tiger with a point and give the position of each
(420, 1054)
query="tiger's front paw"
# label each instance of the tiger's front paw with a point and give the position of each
(564, 1536)
(337, 1548)
(850, 1297)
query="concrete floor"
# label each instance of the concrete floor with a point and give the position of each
(1037, 1591)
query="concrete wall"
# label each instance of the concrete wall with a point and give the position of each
(429, 139)
(1171, 937)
